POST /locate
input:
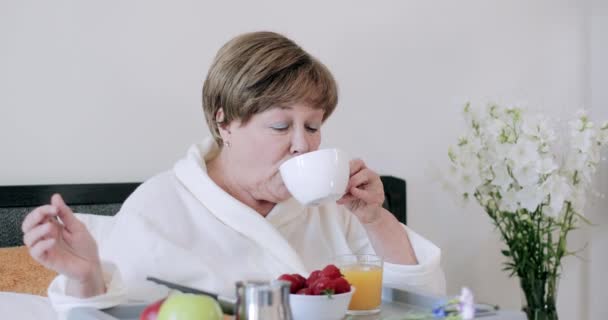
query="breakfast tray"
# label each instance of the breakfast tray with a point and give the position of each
(396, 305)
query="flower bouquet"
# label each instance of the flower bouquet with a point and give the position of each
(532, 185)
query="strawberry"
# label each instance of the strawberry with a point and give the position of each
(312, 278)
(301, 280)
(340, 285)
(295, 283)
(323, 285)
(304, 291)
(331, 271)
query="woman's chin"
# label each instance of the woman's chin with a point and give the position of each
(282, 195)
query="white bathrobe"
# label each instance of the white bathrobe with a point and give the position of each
(180, 226)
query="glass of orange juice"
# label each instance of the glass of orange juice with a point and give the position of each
(364, 272)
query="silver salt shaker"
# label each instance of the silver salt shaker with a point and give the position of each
(262, 300)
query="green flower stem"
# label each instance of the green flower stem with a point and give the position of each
(533, 255)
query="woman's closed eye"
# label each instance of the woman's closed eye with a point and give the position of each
(312, 129)
(282, 127)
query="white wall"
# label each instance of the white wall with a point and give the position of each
(99, 91)
(598, 248)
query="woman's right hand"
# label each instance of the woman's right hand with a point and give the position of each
(60, 242)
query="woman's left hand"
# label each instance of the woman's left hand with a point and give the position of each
(364, 194)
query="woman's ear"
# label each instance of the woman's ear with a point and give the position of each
(222, 125)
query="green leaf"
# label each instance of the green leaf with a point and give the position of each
(328, 292)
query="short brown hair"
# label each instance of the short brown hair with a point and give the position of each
(261, 70)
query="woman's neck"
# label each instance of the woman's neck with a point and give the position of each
(219, 172)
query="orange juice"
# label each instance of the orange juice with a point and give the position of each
(367, 279)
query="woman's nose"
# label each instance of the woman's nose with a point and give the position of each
(300, 142)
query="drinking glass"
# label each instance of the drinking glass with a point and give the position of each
(364, 272)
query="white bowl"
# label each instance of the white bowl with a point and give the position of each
(317, 177)
(323, 307)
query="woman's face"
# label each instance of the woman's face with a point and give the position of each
(259, 147)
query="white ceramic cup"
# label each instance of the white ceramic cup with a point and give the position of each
(317, 177)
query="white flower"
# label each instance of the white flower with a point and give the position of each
(492, 129)
(485, 173)
(469, 179)
(501, 176)
(523, 152)
(471, 146)
(537, 127)
(502, 151)
(559, 190)
(466, 304)
(583, 140)
(530, 197)
(485, 196)
(580, 123)
(511, 160)
(546, 165)
(527, 174)
(576, 161)
(545, 133)
(508, 203)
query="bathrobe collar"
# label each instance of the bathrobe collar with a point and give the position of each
(191, 171)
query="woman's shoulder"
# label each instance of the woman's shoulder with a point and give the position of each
(152, 192)
(159, 183)
(154, 208)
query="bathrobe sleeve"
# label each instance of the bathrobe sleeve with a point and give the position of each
(126, 260)
(426, 277)
(63, 303)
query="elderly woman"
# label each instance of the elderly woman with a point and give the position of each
(222, 213)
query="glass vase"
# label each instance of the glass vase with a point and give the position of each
(540, 297)
(540, 313)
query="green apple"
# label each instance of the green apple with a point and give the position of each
(190, 307)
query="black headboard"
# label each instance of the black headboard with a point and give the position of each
(395, 197)
(106, 199)
(73, 194)
(17, 201)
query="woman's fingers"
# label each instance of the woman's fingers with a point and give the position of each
(39, 232)
(64, 212)
(360, 178)
(37, 216)
(38, 251)
(366, 196)
(356, 165)
(346, 198)
(363, 185)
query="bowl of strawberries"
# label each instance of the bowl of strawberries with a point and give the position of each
(324, 295)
